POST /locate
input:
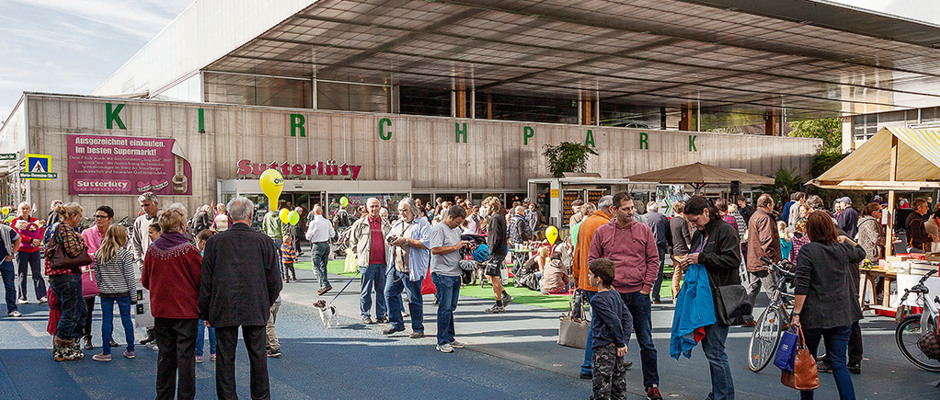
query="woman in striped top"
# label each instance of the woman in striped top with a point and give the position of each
(114, 271)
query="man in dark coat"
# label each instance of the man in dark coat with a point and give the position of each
(763, 241)
(240, 282)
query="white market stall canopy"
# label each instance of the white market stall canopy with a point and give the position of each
(894, 159)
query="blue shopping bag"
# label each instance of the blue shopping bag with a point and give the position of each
(786, 351)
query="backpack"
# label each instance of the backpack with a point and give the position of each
(199, 222)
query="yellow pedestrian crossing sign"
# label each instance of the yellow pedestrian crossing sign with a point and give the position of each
(37, 167)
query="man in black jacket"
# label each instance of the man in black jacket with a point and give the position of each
(240, 282)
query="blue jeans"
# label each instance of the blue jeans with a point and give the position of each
(640, 307)
(448, 288)
(107, 321)
(68, 288)
(373, 275)
(201, 338)
(659, 278)
(586, 367)
(714, 346)
(837, 346)
(9, 284)
(395, 282)
(321, 256)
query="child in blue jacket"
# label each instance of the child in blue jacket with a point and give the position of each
(612, 326)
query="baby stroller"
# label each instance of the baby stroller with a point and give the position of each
(473, 259)
(339, 243)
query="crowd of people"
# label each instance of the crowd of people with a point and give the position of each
(212, 273)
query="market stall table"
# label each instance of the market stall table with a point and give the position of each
(868, 278)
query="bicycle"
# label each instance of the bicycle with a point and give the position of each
(913, 326)
(775, 318)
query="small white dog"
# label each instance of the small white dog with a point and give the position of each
(327, 312)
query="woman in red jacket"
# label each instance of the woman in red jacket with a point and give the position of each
(28, 258)
(172, 267)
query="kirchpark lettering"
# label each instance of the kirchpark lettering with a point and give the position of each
(460, 132)
(383, 134)
(113, 115)
(297, 125)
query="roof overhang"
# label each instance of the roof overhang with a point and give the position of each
(811, 59)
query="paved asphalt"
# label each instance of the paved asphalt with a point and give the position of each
(510, 356)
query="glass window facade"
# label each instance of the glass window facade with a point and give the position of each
(190, 89)
(352, 97)
(257, 90)
(523, 108)
(864, 127)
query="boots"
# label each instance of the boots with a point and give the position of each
(66, 350)
(87, 341)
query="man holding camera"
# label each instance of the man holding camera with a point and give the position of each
(367, 238)
(407, 267)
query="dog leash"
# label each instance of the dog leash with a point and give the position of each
(343, 289)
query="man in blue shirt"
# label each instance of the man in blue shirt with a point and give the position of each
(8, 247)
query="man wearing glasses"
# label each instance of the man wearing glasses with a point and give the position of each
(140, 241)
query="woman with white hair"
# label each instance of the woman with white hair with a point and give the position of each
(221, 222)
(28, 257)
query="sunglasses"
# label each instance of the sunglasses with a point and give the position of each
(101, 216)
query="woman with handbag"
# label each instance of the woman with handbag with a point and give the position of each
(65, 254)
(715, 245)
(826, 306)
(93, 236)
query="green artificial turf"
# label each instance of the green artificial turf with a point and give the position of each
(521, 295)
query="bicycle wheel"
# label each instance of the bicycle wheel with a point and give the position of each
(907, 334)
(764, 340)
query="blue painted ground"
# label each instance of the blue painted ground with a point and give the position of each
(510, 356)
(351, 361)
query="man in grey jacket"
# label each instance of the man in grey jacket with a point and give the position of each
(367, 238)
(240, 282)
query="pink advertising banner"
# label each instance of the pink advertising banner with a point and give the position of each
(121, 165)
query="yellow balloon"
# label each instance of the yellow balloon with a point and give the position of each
(343, 202)
(551, 233)
(293, 217)
(272, 183)
(6, 210)
(283, 215)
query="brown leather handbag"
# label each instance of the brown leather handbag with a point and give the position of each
(805, 376)
(58, 259)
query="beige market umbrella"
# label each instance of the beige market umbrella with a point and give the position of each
(698, 175)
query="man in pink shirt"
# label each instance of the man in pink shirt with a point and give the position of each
(632, 248)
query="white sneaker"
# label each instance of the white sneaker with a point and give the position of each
(15, 313)
(445, 348)
(457, 344)
(21, 301)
